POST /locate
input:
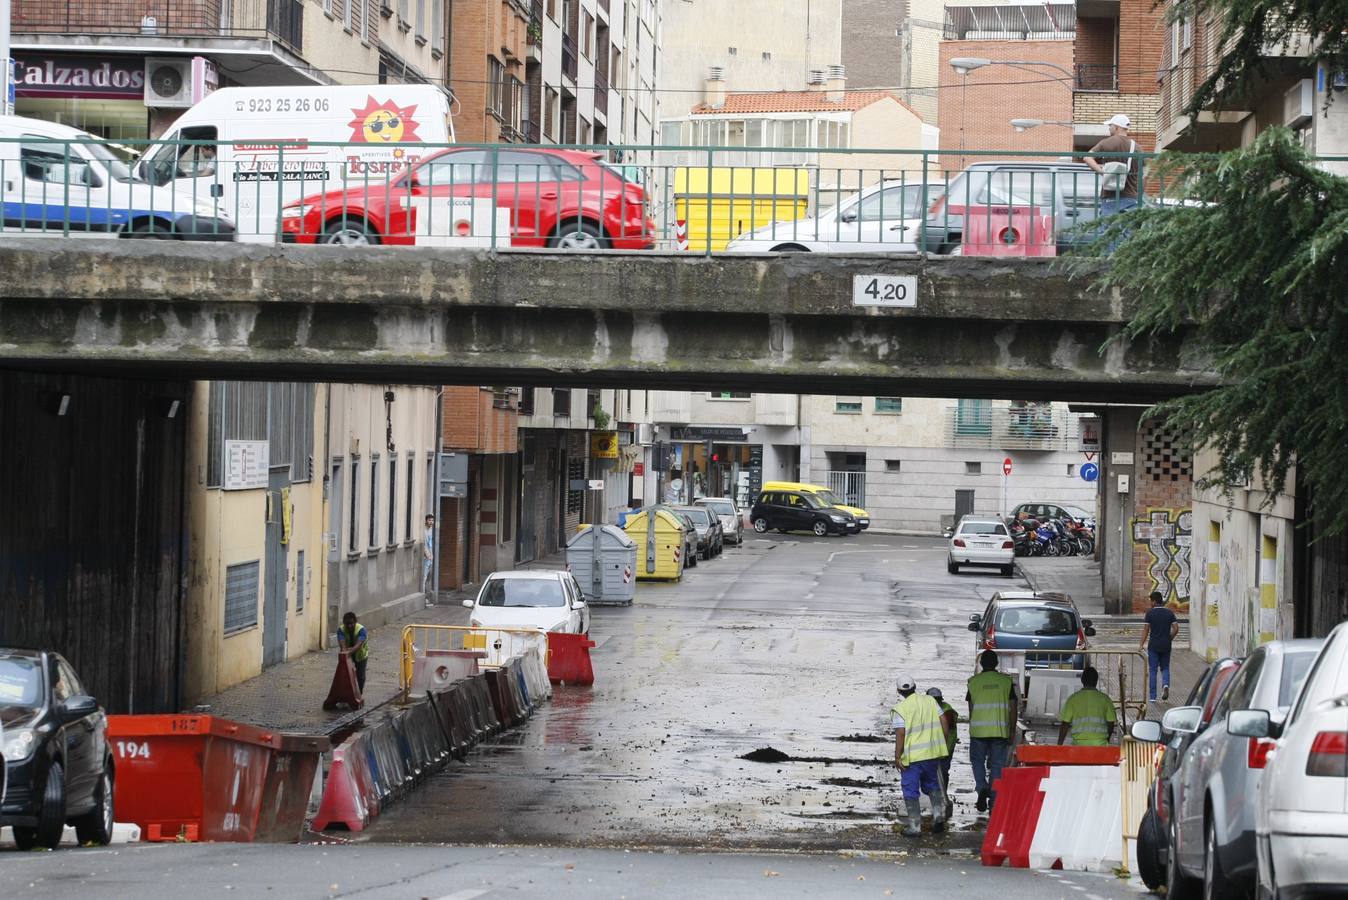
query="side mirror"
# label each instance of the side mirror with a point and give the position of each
(1088, 623)
(975, 618)
(1251, 723)
(1089, 631)
(79, 706)
(1183, 719)
(1147, 730)
(848, 216)
(973, 626)
(468, 604)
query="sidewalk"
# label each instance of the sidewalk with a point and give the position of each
(1079, 578)
(289, 696)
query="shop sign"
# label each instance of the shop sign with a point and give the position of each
(700, 434)
(246, 465)
(120, 78)
(603, 445)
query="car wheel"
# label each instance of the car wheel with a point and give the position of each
(761, 526)
(1009, 571)
(820, 529)
(578, 236)
(350, 232)
(95, 826)
(951, 567)
(1150, 863)
(1215, 883)
(51, 818)
(1178, 886)
(149, 231)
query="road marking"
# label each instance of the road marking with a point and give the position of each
(466, 894)
(880, 549)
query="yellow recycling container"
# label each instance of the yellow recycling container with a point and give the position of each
(722, 202)
(659, 538)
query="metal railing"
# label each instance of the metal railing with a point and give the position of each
(281, 19)
(503, 196)
(1028, 426)
(601, 91)
(1097, 77)
(569, 56)
(1123, 678)
(848, 487)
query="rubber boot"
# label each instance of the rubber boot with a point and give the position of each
(914, 827)
(937, 811)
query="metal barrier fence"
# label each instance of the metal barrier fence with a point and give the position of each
(1053, 676)
(584, 197)
(500, 644)
(1137, 774)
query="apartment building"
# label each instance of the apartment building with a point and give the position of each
(125, 71)
(895, 45)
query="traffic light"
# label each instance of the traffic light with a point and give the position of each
(660, 456)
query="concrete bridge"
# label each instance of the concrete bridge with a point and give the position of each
(990, 328)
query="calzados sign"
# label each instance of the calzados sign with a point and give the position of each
(71, 76)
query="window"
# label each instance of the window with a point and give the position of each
(526, 401)
(353, 520)
(404, 12)
(973, 468)
(392, 500)
(973, 417)
(1071, 470)
(730, 395)
(767, 56)
(241, 584)
(671, 133)
(363, 12)
(561, 401)
(552, 10)
(893, 465)
(438, 26)
(517, 103)
(374, 502)
(299, 581)
(1188, 33)
(587, 36)
(889, 404)
(347, 7)
(495, 87)
(421, 21)
(847, 405)
(462, 167)
(523, 166)
(52, 165)
(411, 498)
(550, 114)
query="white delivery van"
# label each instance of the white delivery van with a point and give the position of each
(255, 149)
(58, 180)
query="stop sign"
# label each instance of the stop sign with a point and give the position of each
(1006, 466)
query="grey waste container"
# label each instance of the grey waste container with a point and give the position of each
(607, 572)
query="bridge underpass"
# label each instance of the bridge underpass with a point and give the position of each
(979, 327)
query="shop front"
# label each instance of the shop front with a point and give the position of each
(712, 461)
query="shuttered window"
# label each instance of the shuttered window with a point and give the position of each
(241, 585)
(299, 581)
(281, 414)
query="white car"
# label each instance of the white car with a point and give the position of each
(725, 510)
(883, 217)
(1301, 812)
(979, 541)
(531, 598)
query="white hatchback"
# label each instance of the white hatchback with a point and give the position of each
(981, 542)
(531, 598)
(884, 217)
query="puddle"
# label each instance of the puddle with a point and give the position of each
(857, 783)
(864, 739)
(773, 755)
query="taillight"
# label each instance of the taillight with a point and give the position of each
(990, 642)
(958, 542)
(1081, 639)
(1329, 755)
(1257, 754)
(1007, 545)
(936, 206)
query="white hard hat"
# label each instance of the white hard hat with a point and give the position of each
(907, 684)
(1120, 120)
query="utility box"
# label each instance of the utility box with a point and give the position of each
(604, 561)
(658, 535)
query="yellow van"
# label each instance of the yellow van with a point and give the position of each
(823, 495)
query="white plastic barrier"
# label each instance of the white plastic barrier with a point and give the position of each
(439, 669)
(1081, 822)
(1048, 692)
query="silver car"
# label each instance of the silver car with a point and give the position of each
(725, 510)
(1212, 829)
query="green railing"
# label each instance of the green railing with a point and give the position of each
(585, 198)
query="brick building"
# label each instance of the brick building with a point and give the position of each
(895, 44)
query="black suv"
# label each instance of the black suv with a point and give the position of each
(57, 760)
(797, 511)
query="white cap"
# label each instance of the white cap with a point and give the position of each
(935, 692)
(907, 684)
(1120, 120)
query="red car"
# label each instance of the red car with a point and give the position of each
(556, 198)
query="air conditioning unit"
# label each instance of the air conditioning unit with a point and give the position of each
(168, 82)
(1298, 104)
(645, 433)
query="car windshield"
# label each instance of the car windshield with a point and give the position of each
(720, 507)
(1294, 669)
(1035, 620)
(1076, 512)
(827, 498)
(117, 167)
(698, 515)
(20, 682)
(982, 528)
(522, 592)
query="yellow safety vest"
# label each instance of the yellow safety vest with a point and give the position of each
(922, 737)
(351, 635)
(990, 695)
(1089, 712)
(953, 736)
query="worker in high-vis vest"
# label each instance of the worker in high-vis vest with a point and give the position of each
(992, 725)
(952, 737)
(919, 746)
(354, 639)
(1088, 715)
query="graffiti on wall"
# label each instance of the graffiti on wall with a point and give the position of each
(1168, 536)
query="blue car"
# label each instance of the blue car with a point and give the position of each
(1024, 622)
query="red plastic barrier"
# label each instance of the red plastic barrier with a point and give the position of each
(1007, 231)
(205, 778)
(569, 658)
(344, 691)
(1066, 755)
(350, 797)
(1015, 816)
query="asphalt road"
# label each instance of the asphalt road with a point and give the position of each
(207, 871)
(792, 644)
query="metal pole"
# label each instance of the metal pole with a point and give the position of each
(6, 64)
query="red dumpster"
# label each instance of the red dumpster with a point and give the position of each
(569, 658)
(202, 778)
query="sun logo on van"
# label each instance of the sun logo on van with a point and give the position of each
(384, 123)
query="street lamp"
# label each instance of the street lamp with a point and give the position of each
(963, 65)
(1026, 124)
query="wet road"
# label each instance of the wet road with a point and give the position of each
(793, 643)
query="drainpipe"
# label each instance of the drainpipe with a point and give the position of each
(327, 491)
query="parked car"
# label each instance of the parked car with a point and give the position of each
(710, 540)
(58, 765)
(62, 181)
(799, 511)
(881, 218)
(1069, 191)
(1152, 840)
(564, 199)
(724, 509)
(826, 497)
(689, 537)
(1042, 511)
(531, 598)
(1212, 829)
(981, 542)
(1025, 622)
(1301, 813)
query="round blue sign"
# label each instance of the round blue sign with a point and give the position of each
(1090, 472)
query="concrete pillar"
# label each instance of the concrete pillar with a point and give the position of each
(1118, 452)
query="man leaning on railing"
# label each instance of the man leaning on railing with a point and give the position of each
(1118, 177)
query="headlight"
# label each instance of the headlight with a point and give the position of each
(298, 211)
(838, 518)
(19, 744)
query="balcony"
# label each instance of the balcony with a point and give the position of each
(569, 57)
(600, 93)
(1031, 426)
(1093, 77)
(531, 131)
(282, 20)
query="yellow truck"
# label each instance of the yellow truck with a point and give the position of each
(722, 202)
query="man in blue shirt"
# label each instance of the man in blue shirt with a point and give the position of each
(1157, 636)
